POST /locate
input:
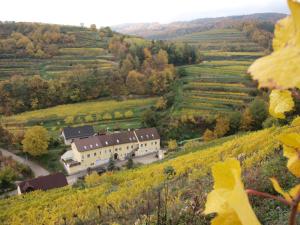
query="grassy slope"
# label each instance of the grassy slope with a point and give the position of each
(125, 186)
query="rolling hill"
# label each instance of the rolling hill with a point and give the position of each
(176, 29)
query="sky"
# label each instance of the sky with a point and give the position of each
(114, 12)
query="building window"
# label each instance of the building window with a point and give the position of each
(88, 155)
(120, 149)
(131, 146)
(92, 164)
(145, 144)
(141, 145)
(116, 149)
(95, 154)
(127, 147)
(155, 142)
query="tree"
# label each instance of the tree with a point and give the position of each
(246, 122)
(36, 141)
(111, 164)
(222, 126)
(259, 112)
(129, 163)
(136, 82)
(209, 135)
(161, 103)
(5, 136)
(235, 121)
(172, 145)
(93, 27)
(161, 59)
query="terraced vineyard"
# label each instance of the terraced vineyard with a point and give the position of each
(220, 39)
(220, 84)
(215, 87)
(106, 114)
(89, 50)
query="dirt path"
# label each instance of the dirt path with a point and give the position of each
(36, 169)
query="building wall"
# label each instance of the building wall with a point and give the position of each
(96, 157)
(147, 147)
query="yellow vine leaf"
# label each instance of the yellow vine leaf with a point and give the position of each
(281, 69)
(280, 102)
(290, 195)
(291, 149)
(229, 199)
(296, 122)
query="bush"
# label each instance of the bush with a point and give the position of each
(92, 179)
(222, 126)
(191, 145)
(89, 118)
(69, 120)
(259, 112)
(269, 122)
(128, 114)
(235, 121)
(172, 145)
(208, 135)
(118, 115)
(107, 116)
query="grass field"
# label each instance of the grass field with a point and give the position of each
(103, 114)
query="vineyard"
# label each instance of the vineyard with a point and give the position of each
(102, 114)
(117, 192)
(228, 40)
(220, 84)
(88, 50)
(215, 87)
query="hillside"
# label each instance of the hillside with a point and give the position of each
(79, 46)
(121, 197)
(175, 29)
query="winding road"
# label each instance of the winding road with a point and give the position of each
(36, 169)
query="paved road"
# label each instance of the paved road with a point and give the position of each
(36, 169)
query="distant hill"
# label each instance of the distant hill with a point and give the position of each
(175, 29)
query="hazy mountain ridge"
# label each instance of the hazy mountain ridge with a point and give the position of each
(175, 29)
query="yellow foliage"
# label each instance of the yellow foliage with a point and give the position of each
(291, 149)
(229, 199)
(50, 206)
(92, 179)
(280, 102)
(172, 145)
(36, 140)
(281, 69)
(289, 196)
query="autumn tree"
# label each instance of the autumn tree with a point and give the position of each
(246, 121)
(36, 141)
(136, 82)
(222, 126)
(172, 145)
(209, 135)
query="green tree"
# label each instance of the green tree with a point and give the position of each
(259, 112)
(129, 163)
(246, 122)
(111, 164)
(36, 141)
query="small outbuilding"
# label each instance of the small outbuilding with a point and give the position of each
(55, 180)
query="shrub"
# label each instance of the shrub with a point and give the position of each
(107, 116)
(69, 120)
(118, 115)
(191, 145)
(128, 114)
(172, 145)
(259, 112)
(89, 118)
(222, 126)
(209, 135)
(92, 179)
(246, 122)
